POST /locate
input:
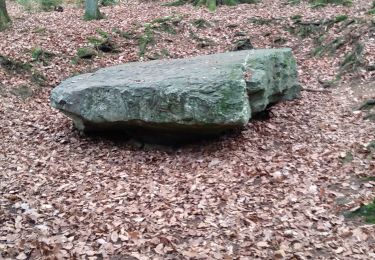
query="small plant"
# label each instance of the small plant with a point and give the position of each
(145, 39)
(14, 66)
(261, 21)
(202, 41)
(48, 5)
(340, 18)
(124, 34)
(322, 3)
(211, 4)
(176, 3)
(347, 158)
(86, 53)
(372, 10)
(38, 54)
(305, 29)
(352, 60)
(23, 92)
(108, 2)
(294, 2)
(28, 5)
(242, 44)
(40, 30)
(330, 48)
(104, 43)
(366, 211)
(201, 23)
(38, 78)
(166, 24)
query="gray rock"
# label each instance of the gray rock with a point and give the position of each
(196, 96)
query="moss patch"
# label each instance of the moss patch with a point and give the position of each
(322, 3)
(365, 211)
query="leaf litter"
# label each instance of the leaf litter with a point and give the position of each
(276, 190)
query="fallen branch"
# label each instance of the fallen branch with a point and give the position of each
(316, 90)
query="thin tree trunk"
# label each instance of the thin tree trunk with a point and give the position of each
(4, 17)
(92, 10)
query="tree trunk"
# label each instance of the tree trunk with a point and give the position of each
(91, 10)
(4, 17)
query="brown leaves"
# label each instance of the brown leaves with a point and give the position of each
(277, 190)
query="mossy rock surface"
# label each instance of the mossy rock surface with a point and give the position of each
(198, 96)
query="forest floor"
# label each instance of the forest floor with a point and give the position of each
(279, 189)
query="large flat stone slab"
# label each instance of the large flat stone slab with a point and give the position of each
(197, 96)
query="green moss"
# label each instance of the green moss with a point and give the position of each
(340, 18)
(103, 43)
(329, 48)
(352, 60)
(365, 211)
(38, 78)
(201, 23)
(372, 10)
(202, 41)
(294, 2)
(86, 53)
(23, 92)
(94, 41)
(166, 24)
(164, 27)
(371, 146)
(296, 18)
(38, 54)
(124, 34)
(15, 66)
(243, 44)
(145, 39)
(211, 4)
(261, 21)
(347, 158)
(102, 33)
(109, 2)
(41, 30)
(322, 3)
(367, 178)
(48, 5)
(176, 3)
(306, 29)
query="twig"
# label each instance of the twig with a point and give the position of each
(316, 90)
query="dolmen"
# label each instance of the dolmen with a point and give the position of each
(182, 98)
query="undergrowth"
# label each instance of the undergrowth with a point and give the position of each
(365, 211)
(211, 4)
(322, 3)
(39, 5)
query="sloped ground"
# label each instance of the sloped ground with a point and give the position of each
(278, 189)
